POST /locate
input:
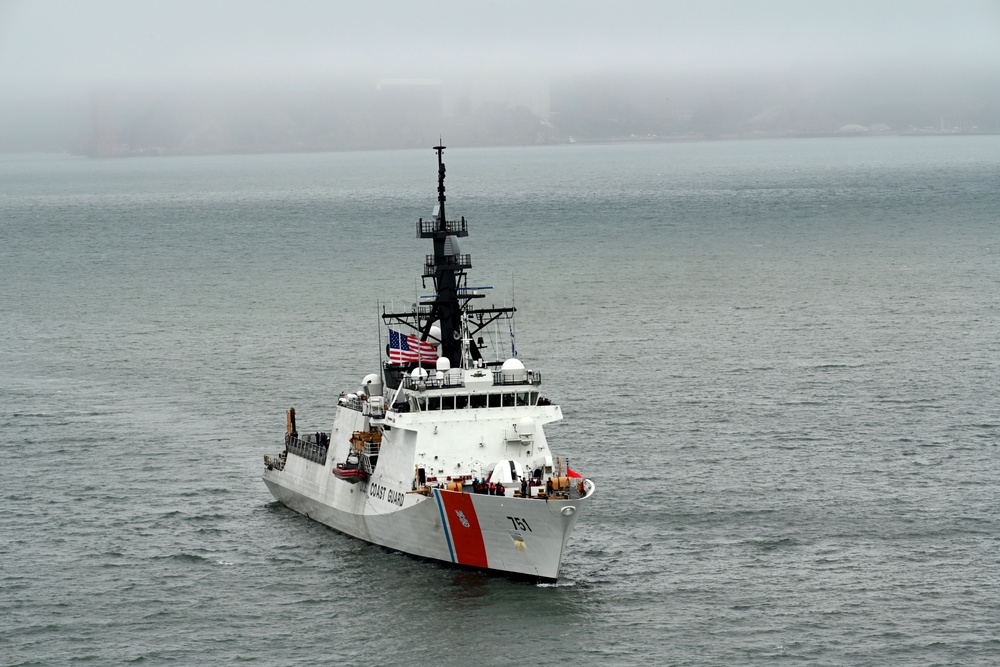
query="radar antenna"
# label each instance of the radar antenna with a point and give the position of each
(446, 268)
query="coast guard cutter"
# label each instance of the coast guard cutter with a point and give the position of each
(442, 454)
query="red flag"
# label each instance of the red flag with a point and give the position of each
(573, 473)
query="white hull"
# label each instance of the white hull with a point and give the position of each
(521, 536)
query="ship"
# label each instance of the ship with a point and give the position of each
(442, 453)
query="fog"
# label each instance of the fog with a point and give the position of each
(312, 70)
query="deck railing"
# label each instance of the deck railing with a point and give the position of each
(448, 262)
(517, 377)
(307, 449)
(427, 227)
(500, 378)
(431, 382)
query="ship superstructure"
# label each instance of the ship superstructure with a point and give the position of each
(442, 454)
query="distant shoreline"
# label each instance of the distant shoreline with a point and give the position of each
(654, 139)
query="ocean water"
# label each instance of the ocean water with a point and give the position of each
(778, 360)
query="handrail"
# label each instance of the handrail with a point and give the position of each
(520, 377)
(461, 261)
(450, 227)
(500, 378)
(431, 382)
(308, 450)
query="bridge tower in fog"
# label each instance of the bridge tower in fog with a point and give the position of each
(104, 130)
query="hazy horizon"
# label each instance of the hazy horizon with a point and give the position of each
(57, 54)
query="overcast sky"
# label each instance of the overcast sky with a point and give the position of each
(73, 43)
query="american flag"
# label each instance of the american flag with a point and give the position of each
(403, 348)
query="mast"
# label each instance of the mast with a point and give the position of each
(447, 268)
(449, 306)
(439, 149)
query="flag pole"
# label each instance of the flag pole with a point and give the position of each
(379, 350)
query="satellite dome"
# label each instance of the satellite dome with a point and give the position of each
(513, 370)
(444, 364)
(418, 372)
(373, 384)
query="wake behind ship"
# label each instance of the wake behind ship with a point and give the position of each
(442, 454)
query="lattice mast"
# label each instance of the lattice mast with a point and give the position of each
(447, 269)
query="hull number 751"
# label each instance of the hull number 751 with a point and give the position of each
(519, 524)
